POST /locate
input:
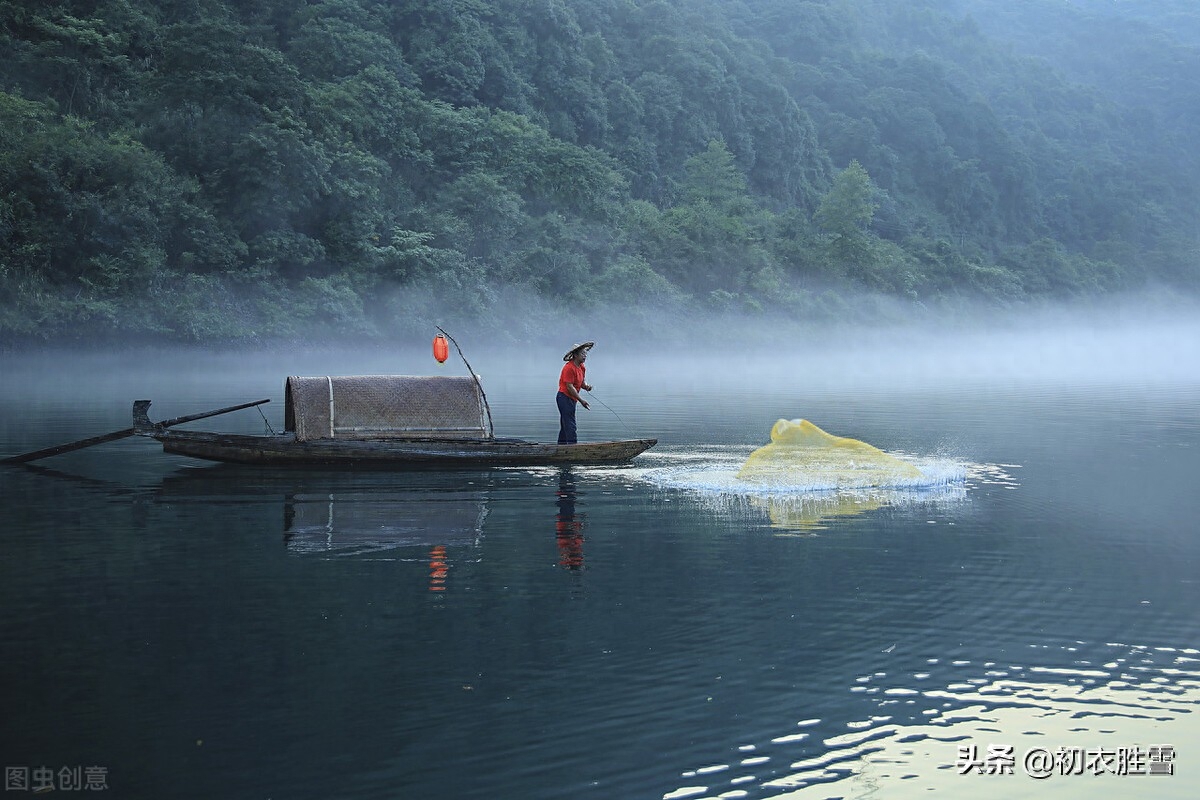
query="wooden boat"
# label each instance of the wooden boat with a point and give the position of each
(382, 421)
(283, 449)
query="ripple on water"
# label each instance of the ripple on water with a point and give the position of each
(923, 718)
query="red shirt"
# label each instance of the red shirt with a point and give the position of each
(571, 375)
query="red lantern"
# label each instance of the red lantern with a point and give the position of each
(441, 348)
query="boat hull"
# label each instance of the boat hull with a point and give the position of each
(284, 450)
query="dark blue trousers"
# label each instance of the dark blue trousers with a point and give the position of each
(566, 419)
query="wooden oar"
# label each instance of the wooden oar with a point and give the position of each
(112, 437)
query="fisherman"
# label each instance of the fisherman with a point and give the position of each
(570, 381)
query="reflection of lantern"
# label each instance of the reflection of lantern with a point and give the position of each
(438, 568)
(441, 349)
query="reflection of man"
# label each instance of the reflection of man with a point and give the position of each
(568, 529)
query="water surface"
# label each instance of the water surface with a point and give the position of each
(654, 630)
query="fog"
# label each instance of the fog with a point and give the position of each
(1151, 337)
(1145, 340)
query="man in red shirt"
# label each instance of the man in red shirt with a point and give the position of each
(570, 381)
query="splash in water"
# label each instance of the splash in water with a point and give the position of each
(805, 477)
(800, 452)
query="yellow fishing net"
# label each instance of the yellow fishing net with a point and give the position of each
(801, 454)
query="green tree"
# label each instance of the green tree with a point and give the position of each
(712, 176)
(845, 215)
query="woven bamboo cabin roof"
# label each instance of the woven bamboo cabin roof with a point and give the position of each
(384, 407)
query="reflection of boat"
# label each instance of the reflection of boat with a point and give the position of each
(434, 516)
(386, 421)
(340, 512)
(363, 521)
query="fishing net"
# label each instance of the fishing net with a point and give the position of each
(802, 455)
(384, 407)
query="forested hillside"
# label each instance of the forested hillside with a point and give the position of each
(210, 169)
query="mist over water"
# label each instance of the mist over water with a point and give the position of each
(1143, 339)
(749, 370)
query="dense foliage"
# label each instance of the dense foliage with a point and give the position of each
(216, 169)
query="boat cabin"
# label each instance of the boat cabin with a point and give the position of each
(384, 407)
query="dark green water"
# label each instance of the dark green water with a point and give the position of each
(638, 632)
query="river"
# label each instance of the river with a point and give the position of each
(178, 629)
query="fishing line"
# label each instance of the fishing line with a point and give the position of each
(615, 414)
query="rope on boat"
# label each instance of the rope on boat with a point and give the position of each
(486, 407)
(265, 422)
